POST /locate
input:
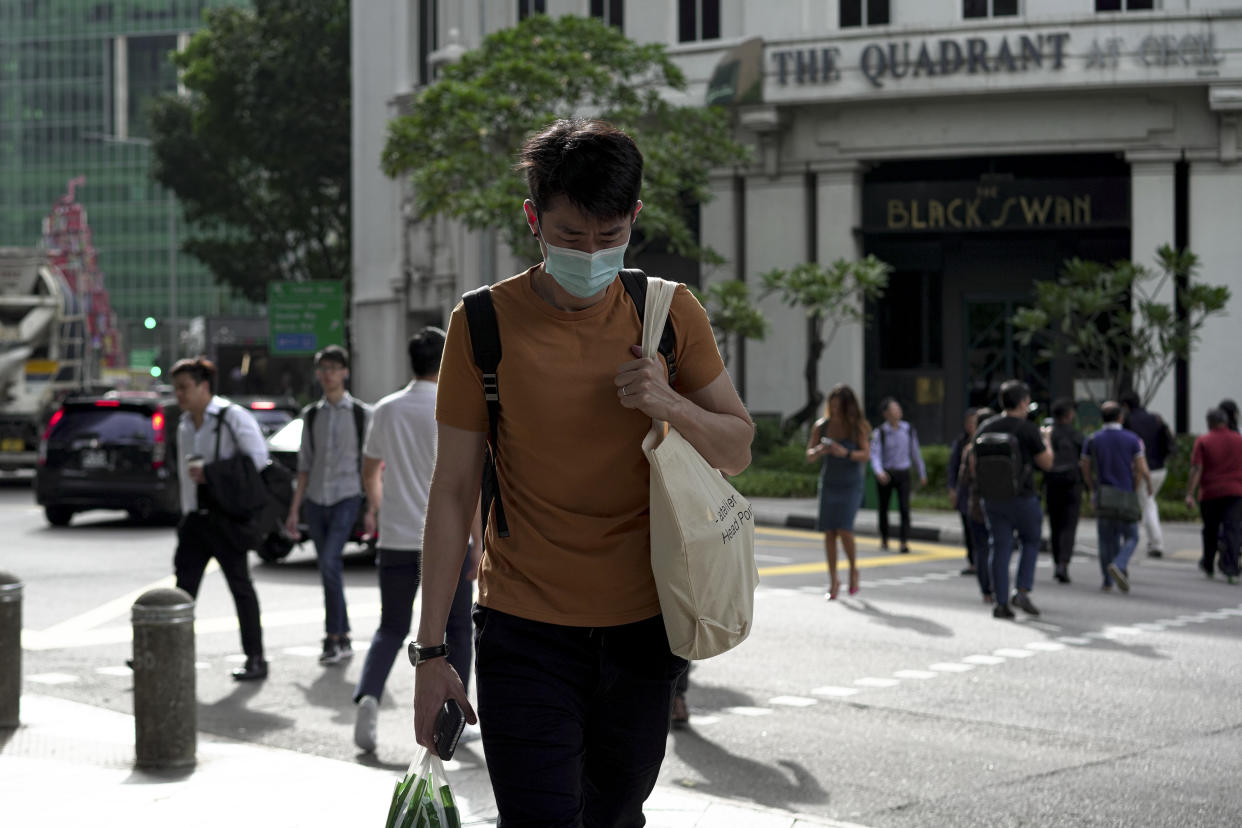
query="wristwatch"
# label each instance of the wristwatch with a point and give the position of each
(419, 653)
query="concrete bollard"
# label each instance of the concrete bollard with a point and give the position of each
(165, 702)
(10, 650)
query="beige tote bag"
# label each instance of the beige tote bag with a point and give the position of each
(702, 530)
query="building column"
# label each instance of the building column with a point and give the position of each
(777, 238)
(1152, 224)
(1215, 193)
(838, 216)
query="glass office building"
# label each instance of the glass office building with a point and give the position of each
(76, 78)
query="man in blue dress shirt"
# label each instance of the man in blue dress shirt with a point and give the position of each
(894, 453)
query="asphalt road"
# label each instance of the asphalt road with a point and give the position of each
(907, 704)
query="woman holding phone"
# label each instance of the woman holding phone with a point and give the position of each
(841, 441)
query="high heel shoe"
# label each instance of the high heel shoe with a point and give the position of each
(833, 590)
(854, 582)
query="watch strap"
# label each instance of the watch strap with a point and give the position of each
(418, 653)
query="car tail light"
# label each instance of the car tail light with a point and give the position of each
(47, 432)
(159, 448)
(263, 405)
(107, 403)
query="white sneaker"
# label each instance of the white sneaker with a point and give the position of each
(364, 724)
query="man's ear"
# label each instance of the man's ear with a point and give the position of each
(532, 218)
(638, 208)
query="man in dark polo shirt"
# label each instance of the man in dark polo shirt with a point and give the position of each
(1157, 445)
(1114, 457)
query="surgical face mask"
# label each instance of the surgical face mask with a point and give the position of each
(583, 274)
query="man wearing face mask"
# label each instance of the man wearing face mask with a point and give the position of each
(574, 673)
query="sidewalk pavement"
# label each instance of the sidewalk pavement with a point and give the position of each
(72, 764)
(946, 527)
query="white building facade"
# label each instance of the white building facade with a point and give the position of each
(974, 145)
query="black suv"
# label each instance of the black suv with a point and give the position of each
(115, 451)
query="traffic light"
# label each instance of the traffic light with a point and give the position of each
(155, 371)
(149, 323)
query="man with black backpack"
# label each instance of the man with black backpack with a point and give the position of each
(1158, 446)
(543, 371)
(1007, 450)
(330, 483)
(211, 433)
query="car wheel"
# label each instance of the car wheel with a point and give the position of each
(58, 515)
(274, 547)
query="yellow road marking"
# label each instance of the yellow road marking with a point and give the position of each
(864, 562)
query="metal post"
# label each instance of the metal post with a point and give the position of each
(165, 703)
(10, 650)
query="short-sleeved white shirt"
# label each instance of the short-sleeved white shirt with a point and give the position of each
(402, 433)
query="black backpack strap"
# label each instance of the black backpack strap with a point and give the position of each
(308, 418)
(635, 282)
(224, 421)
(360, 428)
(485, 342)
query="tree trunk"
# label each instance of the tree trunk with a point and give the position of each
(814, 397)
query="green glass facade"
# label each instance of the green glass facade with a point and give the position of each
(76, 77)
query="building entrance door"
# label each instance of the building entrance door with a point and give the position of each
(992, 353)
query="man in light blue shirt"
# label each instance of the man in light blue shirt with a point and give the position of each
(894, 451)
(330, 483)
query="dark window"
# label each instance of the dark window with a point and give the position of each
(910, 323)
(1107, 5)
(428, 41)
(851, 13)
(528, 7)
(611, 12)
(698, 20)
(989, 8)
(108, 425)
(877, 12)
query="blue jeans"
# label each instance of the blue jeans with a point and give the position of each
(1022, 515)
(398, 582)
(981, 554)
(329, 528)
(1117, 539)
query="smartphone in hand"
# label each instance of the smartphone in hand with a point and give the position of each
(450, 722)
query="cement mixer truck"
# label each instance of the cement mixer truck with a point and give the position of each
(41, 350)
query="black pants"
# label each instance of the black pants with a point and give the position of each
(574, 719)
(1064, 505)
(201, 537)
(898, 479)
(1218, 513)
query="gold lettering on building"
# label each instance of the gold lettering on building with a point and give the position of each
(1035, 210)
(898, 218)
(935, 213)
(1064, 214)
(1082, 209)
(994, 213)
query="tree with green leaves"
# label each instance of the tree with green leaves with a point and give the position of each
(832, 296)
(460, 139)
(1110, 320)
(258, 151)
(732, 313)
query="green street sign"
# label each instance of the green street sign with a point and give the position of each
(303, 317)
(142, 359)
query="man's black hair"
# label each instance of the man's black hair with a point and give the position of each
(333, 353)
(1110, 412)
(885, 403)
(1013, 392)
(1217, 417)
(1062, 407)
(594, 165)
(425, 349)
(1231, 412)
(1131, 400)
(200, 369)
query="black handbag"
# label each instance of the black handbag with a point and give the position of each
(1112, 503)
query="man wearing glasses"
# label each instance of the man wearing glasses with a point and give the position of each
(330, 483)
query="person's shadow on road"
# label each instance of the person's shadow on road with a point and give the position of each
(230, 716)
(775, 785)
(923, 626)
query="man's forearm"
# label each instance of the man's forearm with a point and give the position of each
(444, 548)
(373, 482)
(723, 439)
(299, 492)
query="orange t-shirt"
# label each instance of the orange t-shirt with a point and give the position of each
(573, 477)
